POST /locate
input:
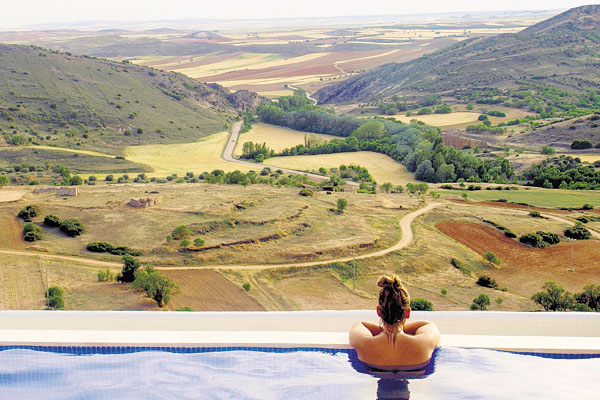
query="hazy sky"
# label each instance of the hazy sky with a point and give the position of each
(28, 12)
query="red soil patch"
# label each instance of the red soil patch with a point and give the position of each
(203, 61)
(10, 234)
(206, 290)
(502, 204)
(524, 270)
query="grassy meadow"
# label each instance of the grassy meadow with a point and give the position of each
(380, 166)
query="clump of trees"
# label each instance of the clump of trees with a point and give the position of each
(130, 266)
(105, 247)
(106, 275)
(578, 232)
(581, 144)
(540, 239)
(181, 232)
(32, 232)
(29, 212)
(555, 298)
(52, 221)
(487, 281)
(72, 227)
(564, 172)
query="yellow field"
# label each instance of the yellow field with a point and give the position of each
(381, 167)
(276, 137)
(243, 61)
(441, 119)
(275, 93)
(197, 157)
(88, 152)
(591, 158)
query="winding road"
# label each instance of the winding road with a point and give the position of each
(230, 147)
(405, 227)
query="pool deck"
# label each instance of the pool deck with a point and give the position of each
(539, 332)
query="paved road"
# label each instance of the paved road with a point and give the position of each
(405, 227)
(230, 146)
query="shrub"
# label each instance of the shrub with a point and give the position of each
(106, 275)
(181, 232)
(480, 302)
(547, 150)
(491, 257)
(587, 207)
(535, 214)
(341, 205)
(421, 305)
(305, 192)
(458, 265)
(32, 232)
(577, 232)
(548, 237)
(72, 227)
(198, 242)
(444, 292)
(495, 113)
(55, 297)
(184, 243)
(28, 213)
(533, 240)
(487, 281)
(52, 220)
(246, 286)
(157, 287)
(581, 144)
(482, 117)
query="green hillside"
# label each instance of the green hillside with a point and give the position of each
(551, 64)
(58, 99)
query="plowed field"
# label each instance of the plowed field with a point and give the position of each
(205, 290)
(10, 233)
(524, 270)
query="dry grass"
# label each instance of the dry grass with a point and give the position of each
(381, 167)
(276, 137)
(204, 155)
(591, 158)
(440, 120)
(9, 195)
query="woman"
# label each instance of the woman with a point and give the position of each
(395, 344)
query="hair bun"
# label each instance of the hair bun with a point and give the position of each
(386, 281)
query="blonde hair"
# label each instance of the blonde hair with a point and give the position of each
(394, 303)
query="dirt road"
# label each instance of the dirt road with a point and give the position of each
(230, 146)
(79, 260)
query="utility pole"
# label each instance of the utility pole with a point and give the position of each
(47, 290)
(572, 245)
(353, 273)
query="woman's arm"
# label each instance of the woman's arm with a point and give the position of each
(425, 331)
(361, 332)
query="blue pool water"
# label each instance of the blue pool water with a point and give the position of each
(244, 373)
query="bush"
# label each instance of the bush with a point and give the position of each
(31, 232)
(421, 305)
(157, 287)
(458, 265)
(482, 117)
(72, 227)
(52, 220)
(535, 214)
(581, 144)
(106, 275)
(578, 232)
(487, 281)
(547, 150)
(548, 237)
(181, 232)
(28, 213)
(55, 297)
(184, 243)
(495, 113)
(491, 257)
(341, 205)
(533, 240)
(305, 192)
(246, 286)
(198, 242)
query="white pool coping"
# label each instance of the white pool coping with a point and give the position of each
(524, 332)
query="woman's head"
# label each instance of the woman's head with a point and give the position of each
(394, 300)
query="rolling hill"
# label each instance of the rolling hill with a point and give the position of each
(53, 98)
(562, 53)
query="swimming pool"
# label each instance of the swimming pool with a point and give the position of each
(29, 372)
(296, 355)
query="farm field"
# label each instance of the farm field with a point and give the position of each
(276, 137)
(380, 166)
(441, 120)
(554, 198)
(524, 270)
(204, 155)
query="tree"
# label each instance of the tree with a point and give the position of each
(480, 302)
(181, 232)
(371, 130)
(75, 180)
(487, 281)
(72, 227)
(198, 242)
(4, 181)
(590, 297)
(555, 298)
(387, 187)
(421, 305)
(341, 205)
(130, 266)
(184, 243)
(157, 287)
(31, 232)
(55, 298)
